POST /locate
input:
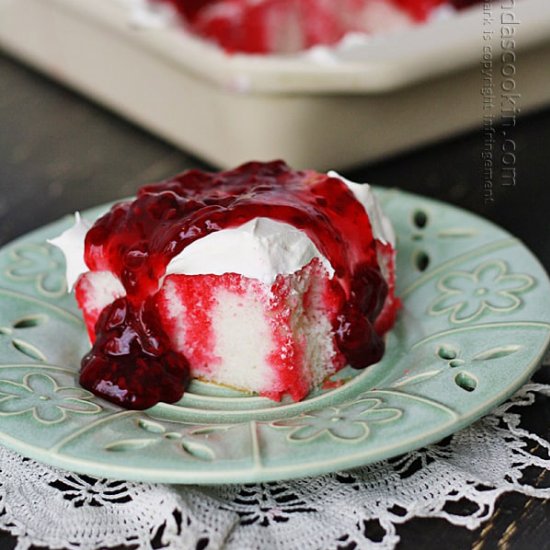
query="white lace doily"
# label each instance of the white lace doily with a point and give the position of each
(48, 507)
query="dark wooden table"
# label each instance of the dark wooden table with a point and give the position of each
(60, 153)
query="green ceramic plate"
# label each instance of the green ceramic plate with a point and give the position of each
(475, 325)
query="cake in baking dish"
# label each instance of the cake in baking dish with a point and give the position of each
(261, 278)
(283, 26)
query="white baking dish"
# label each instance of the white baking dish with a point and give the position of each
(366, 101)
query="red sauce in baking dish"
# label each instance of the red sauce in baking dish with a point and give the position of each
(131, 362)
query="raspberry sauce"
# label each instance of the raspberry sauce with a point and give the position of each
(131, 362)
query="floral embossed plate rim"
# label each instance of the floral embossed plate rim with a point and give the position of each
(475, 325)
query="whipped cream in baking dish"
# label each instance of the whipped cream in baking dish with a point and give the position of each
(260, 249)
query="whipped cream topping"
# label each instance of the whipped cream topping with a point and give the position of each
(260, 249)
(382, 228)
(71, 243)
